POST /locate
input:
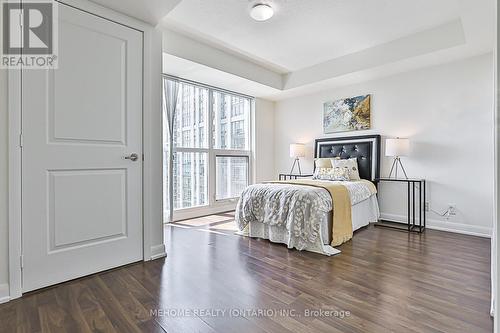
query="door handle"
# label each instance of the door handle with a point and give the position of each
(133, 157)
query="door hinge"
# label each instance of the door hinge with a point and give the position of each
(21, 140)
(21, 259)
(143, 157)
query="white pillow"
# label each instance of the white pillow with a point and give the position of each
(351, 164)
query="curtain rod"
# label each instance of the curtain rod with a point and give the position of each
(176, 78)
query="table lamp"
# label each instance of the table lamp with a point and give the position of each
(396, 148)
(297, 150)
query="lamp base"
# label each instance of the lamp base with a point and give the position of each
(397, 161)
(296, 161)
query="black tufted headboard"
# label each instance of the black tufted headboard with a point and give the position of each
(366, 148)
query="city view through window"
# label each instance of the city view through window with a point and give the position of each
(211, 146)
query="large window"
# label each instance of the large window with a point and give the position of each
(211, 146)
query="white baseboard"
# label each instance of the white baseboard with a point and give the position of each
(157, 252)
(4, 293)
(458, 228)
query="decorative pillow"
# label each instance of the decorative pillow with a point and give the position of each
(321, 173)
(351, 164)
(341, 173)
(332, 173)
(324, 168)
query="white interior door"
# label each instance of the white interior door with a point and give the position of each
(82, 200)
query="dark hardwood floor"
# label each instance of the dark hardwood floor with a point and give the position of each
(383, 281)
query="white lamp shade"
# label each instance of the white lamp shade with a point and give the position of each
(397, 147)
(297, 150)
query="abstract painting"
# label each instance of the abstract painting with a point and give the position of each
(349, 114)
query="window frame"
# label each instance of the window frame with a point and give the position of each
(213, 205)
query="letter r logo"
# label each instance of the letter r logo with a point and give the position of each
(27, 28)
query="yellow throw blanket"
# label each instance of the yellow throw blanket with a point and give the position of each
(341, 199)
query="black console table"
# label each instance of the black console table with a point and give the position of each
(287, 176)
(411, 225)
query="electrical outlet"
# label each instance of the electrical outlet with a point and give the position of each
(452, 209)
(427, 206)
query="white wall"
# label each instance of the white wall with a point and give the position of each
(495, 259)
(153, 149)
(446, 111)
(3, 182)
(263, 140)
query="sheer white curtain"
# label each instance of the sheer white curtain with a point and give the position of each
(170, 94)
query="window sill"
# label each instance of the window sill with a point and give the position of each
(194, 212)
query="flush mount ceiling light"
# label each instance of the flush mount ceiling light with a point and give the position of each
(261, 12)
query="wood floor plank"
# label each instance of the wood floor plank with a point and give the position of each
(88, 305)
(132, 308)
(8, 318)
(67, 297)
(27, 315)
(111, 306)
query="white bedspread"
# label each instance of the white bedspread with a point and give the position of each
(298, 208)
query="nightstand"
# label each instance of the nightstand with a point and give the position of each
(288, 176)
(413, 185)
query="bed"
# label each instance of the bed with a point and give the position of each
(301, 216)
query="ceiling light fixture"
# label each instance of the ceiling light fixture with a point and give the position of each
(261, 12)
